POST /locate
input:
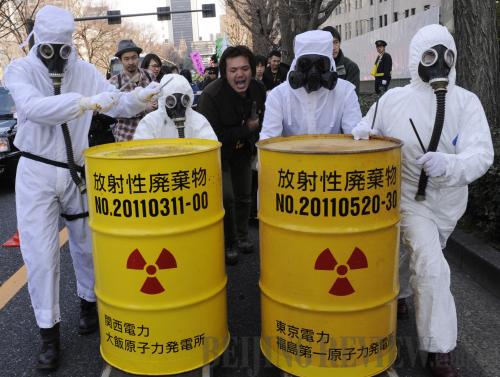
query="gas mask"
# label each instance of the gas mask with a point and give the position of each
(54, 57)
(312, 72)
(435, 66)
(176, 105)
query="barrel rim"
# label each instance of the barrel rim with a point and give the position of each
(266, 144)
(96, 151)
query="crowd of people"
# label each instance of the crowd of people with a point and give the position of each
(243, 98)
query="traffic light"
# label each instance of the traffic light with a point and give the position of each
(208, 10)
(163, 13)
(114, 20)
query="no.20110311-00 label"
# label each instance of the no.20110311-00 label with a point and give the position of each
(141, 208)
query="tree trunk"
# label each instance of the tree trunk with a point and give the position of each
(285, 31)
(478, 71)
(478, 60)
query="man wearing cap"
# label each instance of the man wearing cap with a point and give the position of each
(130, 78)
(55, 95)
(346, 68)
(312, 100)
(382, 68)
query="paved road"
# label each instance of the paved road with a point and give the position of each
(19, 341)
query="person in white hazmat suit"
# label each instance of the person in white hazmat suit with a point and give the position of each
(174, 116)
(436, 170)
(312, 100)
(55, 95)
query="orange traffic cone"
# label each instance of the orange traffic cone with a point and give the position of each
(12, 241)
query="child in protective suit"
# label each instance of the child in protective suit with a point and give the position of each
(174, 117)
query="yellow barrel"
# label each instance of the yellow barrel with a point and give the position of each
(158, 245)
(329, 240)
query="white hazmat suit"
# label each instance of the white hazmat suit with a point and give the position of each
(157, 124)
(295, 112)
(464, 154)
(44, 191)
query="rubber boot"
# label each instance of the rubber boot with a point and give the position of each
(88, 317)
(48, 358)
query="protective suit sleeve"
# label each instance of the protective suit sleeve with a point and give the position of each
(205, 131)
(208, 108)
(146, 128)
(474, 148)
(272, 125)
(352, 112)
(35, 106)
(127, 105)
(366, 122)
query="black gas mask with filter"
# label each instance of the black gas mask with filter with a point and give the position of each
(312, 72)
(55, 56)
(176, 105)
(434, 68)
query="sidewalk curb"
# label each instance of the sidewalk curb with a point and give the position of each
(476, 258)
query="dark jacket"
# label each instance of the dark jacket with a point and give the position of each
(384, 67)
(272, 80)
(347, 70)
(227, 112)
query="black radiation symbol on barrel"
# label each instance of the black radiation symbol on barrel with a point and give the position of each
(327, 262)
(152, 285)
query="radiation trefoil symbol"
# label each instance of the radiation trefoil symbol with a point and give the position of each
(152, 285)
(341, 286)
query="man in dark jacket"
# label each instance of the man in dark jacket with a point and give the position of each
(346, 68)
(234, 106)
(382, 68)
(275, 73)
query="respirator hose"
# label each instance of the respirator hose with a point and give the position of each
(69, 147)
(436, 135)
(180, 129)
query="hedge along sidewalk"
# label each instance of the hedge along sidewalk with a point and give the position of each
(475, 257)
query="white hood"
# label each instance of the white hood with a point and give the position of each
(179, 84)
(53, 25)
(317, 42)
(425, 38)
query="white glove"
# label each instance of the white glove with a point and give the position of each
(434, 163)
(149, 93)
(362, 131)
(384, 82)
(101, 102)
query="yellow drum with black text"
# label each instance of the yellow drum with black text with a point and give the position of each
(329, 240)
(158, 245)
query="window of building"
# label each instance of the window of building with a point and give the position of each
(339, 28)
(412, 11)
(380, 21)
(371, 24)
(371, 2)
(407, 13)
(395, 17)
(427, 7)
(385, 19)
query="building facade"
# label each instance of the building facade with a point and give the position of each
(353, 18)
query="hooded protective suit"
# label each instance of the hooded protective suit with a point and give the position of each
(157, 124)
(466, 150)
(296, 112)
(45, 191)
